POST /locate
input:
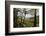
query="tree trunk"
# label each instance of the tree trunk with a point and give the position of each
(35, 18)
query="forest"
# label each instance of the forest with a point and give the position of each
(26, 17)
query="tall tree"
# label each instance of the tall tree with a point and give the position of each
(21, 15)
(35, 19)
(15, 17)
(24, 10)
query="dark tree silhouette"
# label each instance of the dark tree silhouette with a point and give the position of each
(15, 17)
(35, 18)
